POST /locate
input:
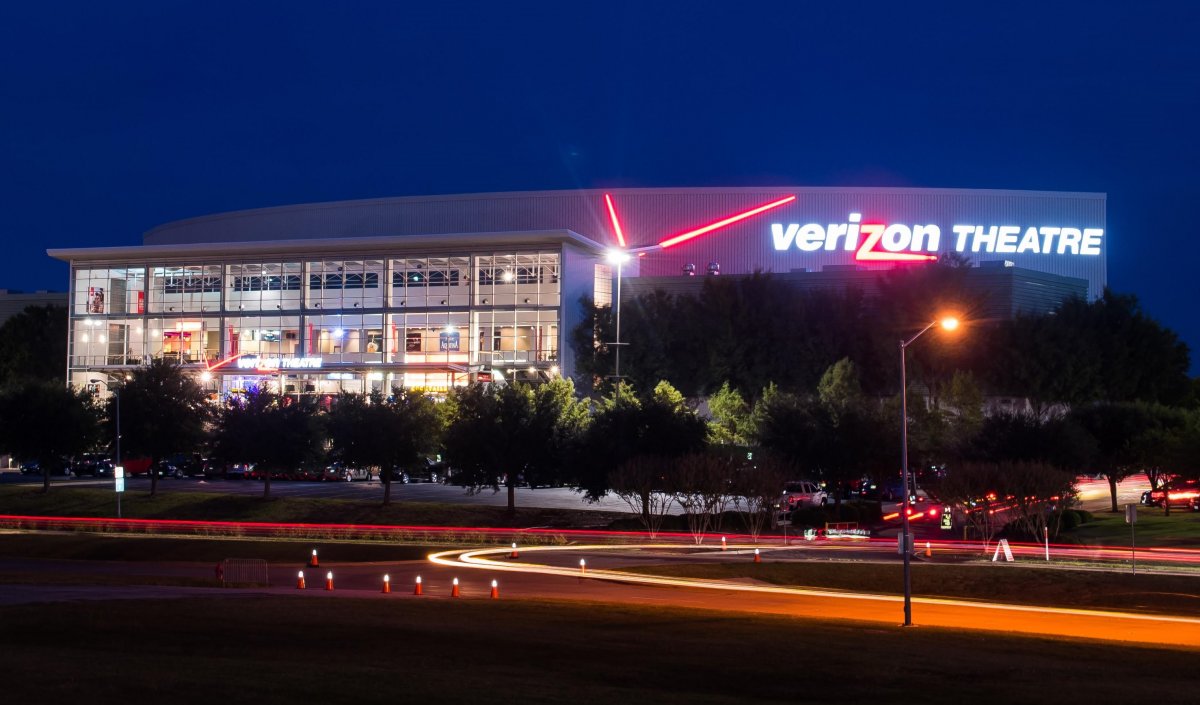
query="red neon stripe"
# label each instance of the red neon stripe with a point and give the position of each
(683, 237)
(612, 215)
(226, 361)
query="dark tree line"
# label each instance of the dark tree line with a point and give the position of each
(755, 331)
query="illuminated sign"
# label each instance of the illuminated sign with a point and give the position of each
(247, 362)
(899, 242)
(448, 342)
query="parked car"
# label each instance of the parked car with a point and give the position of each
(33, 467)
(340, 472)
(309, 473)
(426, 470)
(803, 493)
(182, 465)
(93, 465)
(238, 471)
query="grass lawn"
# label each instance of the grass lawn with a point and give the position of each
(87, 502)
(1169, 594)
(1179, 530)
(304, 650)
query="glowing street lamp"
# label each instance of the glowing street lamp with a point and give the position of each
(619, 258)
(949, 324)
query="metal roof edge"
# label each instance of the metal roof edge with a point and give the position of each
(336, 244)
(509, 195)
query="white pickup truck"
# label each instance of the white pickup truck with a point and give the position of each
(802, 493)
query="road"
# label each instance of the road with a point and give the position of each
(1095, 496)
(553, 573)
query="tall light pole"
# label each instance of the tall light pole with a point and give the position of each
(948, 323)
(619, 258)
(116, 392)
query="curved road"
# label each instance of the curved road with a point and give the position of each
(553, 573)
(602, 565)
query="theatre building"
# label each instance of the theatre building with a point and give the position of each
(435, 291)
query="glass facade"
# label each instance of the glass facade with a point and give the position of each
(329, 323)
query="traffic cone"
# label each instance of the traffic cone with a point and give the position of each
(928, 550)
(329, 580)
(757, 557)
(300, 581)
(454, 590)
(495, 590)
(514, 551)
(582, 566)
(313, 562)
(387, 585)
(722, 543)
(417, 589)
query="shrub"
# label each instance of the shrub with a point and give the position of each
(1070, 520)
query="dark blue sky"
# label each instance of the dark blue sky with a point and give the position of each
(117, 117)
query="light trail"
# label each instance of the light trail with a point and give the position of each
(1108, 555)
(477, 559)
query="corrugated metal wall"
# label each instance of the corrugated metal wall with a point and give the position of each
(651, 215)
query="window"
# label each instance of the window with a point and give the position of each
(290, 282)
(364, 280)
(437, 277)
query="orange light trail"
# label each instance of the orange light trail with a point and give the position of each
(1058, 621)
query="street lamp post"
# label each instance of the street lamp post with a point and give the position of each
(948, 323)
(619, 258)
(116, 392)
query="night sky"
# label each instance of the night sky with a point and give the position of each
(116, 117)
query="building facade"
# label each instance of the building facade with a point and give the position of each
(436, 291)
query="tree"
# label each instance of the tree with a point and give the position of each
(47, 422)
(296, 436)
(658, 425)
(1107, 350)
(1114, 428)
(978, 489)
(593, 358)
(240, 428)
(837, 435)
(274, 434)
(33, 345)
(504, 434)
(556, 428)
(702, 483)
(852, 437)
(940, 428)
(1164, 448)
(163, 411)
(756, 488)
(640, 482)
(390, 433)
(731, 420)
(1029, 437)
